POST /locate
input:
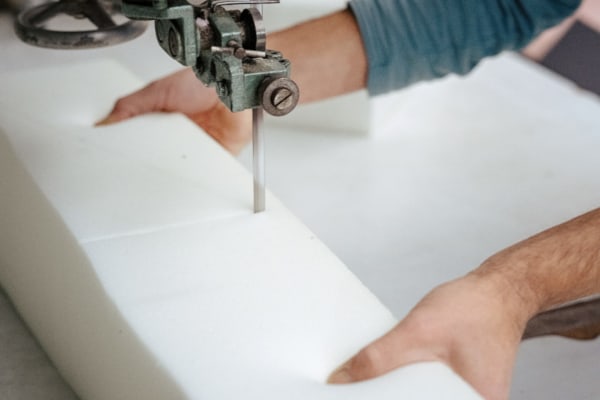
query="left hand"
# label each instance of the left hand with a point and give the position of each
(473, 324)
(183, 92)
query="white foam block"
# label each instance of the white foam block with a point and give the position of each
(132, 253)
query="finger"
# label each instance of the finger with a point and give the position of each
(397, 348)
(111, 118)
(146, 100)
(365, 364)
(371, 361)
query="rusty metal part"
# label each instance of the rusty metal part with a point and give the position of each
(30, 25)
(226, 48)
(279, 96)
(579, 321)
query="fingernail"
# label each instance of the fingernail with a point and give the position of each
(341, 375)
(106, 121)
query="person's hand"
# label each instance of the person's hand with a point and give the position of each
(183, 92)
(471, 324)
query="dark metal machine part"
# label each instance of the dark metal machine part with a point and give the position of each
(226, 47)
(30, 25)
(580, 321)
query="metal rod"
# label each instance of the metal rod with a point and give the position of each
(258, 160)
(216, 3)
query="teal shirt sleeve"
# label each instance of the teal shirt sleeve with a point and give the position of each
(414, 40)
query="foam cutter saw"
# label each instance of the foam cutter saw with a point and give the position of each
(226, 47)
(223, 41)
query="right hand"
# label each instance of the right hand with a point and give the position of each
(183, 92)
(473, 324)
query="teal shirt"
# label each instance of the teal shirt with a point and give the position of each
(414, 40)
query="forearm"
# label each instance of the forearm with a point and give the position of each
(389, 44)
(475, 323)
(556, 266)
(409, 41)
(327, 55)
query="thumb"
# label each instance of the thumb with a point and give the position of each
(146, 100)
(366, 364)
(397, 348)
(113, 117)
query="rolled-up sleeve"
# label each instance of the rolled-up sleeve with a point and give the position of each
(414, 40)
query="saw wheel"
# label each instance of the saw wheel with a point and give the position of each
(31, 25)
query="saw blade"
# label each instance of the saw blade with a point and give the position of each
(258, 160)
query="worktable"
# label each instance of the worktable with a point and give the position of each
(455, 171)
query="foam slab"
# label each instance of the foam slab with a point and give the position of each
(132, 253)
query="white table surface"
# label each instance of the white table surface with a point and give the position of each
(457, 170)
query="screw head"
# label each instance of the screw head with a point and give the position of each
(279, 96)
(283, 98)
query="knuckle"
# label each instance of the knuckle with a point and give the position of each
(126, 107)
(152, 86)
(368, 363)
(121, 104)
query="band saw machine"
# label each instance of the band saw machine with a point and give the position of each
(223, 41)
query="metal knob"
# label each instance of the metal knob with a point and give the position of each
(279, 96)
(30, 25)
